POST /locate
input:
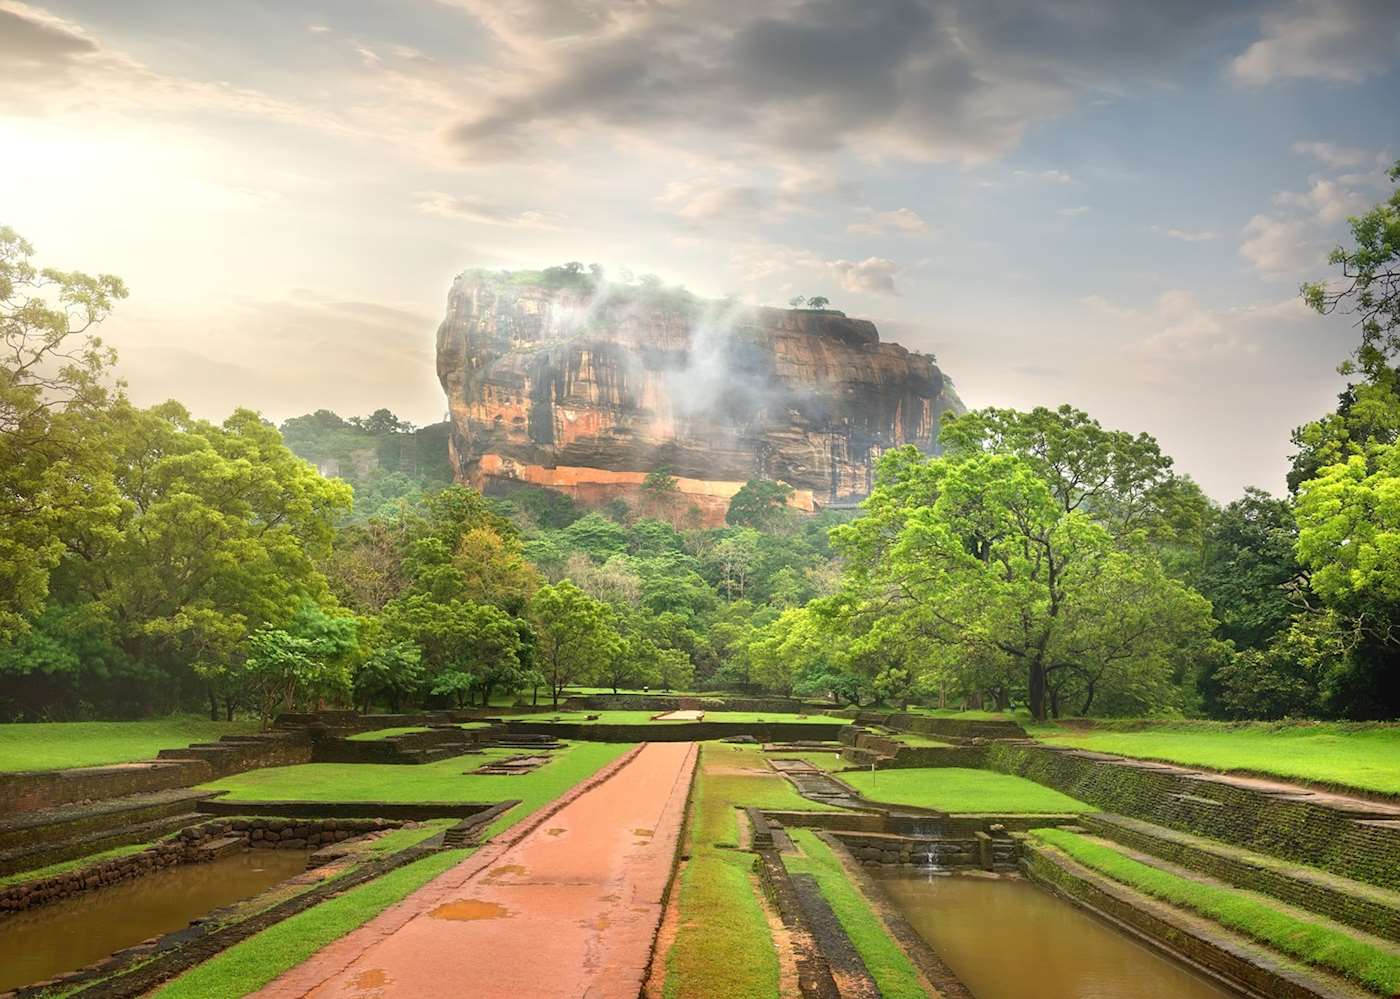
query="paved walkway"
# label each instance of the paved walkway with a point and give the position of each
(568, 906)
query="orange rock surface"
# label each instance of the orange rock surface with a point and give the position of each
(587, 390)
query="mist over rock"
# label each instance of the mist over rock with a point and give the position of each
(556, 381)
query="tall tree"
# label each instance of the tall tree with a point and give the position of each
(52, 386)
(979, 558)
(576, 635)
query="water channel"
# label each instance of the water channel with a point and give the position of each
(1008, 939)
(77, 931)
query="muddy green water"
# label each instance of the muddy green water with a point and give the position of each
(67, 935)
(1007, 939)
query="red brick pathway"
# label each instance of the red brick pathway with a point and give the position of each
(567, 906)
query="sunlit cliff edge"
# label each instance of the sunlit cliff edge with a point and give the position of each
(555, 380)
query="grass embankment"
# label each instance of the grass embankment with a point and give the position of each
(441, 780)
(68, 865)
(249, 965)
(955, 789)
(609, 717)
(830, 762)
(1253, 915)
(921, 741)
(1366, 757)
(723, 946)
(886, 961)
(62, 745)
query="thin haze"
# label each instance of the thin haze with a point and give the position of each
(1102, 202)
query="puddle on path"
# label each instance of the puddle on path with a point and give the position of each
(505, 871)
(469, 910)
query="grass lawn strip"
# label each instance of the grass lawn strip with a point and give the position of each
(384, 733)
(1254, 916)
(64, 745)
(609, 717)
(441, 780)
(957, 789)
(68, 865)
(894, 973)
(251, 964)
(723, 946)
(1365, 757)
(830, 762)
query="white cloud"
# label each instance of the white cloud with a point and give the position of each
(899, 222)
(705, 198)
(1104, 307)
(874, 275)
(1337, 157)
(1279, 247)
(451, 206)
(1187, 235)
(1048, 176)
(1075, 211)
(1340, 40)
(1329, 201)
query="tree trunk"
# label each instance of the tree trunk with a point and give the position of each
(1003, 699)
(1037, 690)
(213, 705)
(1084, 711)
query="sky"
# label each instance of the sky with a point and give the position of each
(1109, 203)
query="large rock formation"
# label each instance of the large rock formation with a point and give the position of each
(554, 383)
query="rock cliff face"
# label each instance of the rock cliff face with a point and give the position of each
(587, 391)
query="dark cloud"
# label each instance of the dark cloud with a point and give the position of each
(28, 43)
(924, 79)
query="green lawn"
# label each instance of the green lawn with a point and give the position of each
(955, 789)
(442, 780)
(68, 865)
(384, 733)
(723, 946)
(886, 961)
(644, 717)
(1359, 756)
(830, 762)
(61, 745)
(1254, 915)
(249, 965)
(921, 741)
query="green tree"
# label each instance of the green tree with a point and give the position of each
(299, 666)
(659, 491)
(982, 561)
(1369, 287)
(577, 635)
(52, 373)
(391, 672)
(1121, 481)
(468, 649)
(818, 302)
(760, 504)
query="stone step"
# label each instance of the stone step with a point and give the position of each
(53, 852)
(222, 847)
(1255, 970)
(59, 824)
(1297, 912)
(1355, 903)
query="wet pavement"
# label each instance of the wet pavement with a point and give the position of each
(568, 906)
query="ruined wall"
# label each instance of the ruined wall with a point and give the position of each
(586, 392)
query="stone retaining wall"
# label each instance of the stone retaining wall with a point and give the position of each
(408, 811)
(678, 731)
(183, 848)
(1256, 820)
(1305, 889)
(1217, 954)
(41, 789)
(674, 702)
(884, 849)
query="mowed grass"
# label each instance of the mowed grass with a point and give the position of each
(886, 961)
(723, 946)
(955, 789)
(1365, 757)
(442, 780)
(607, 717)
(1253, 915)
(830, 762)
(249, 965)
(63, 745)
